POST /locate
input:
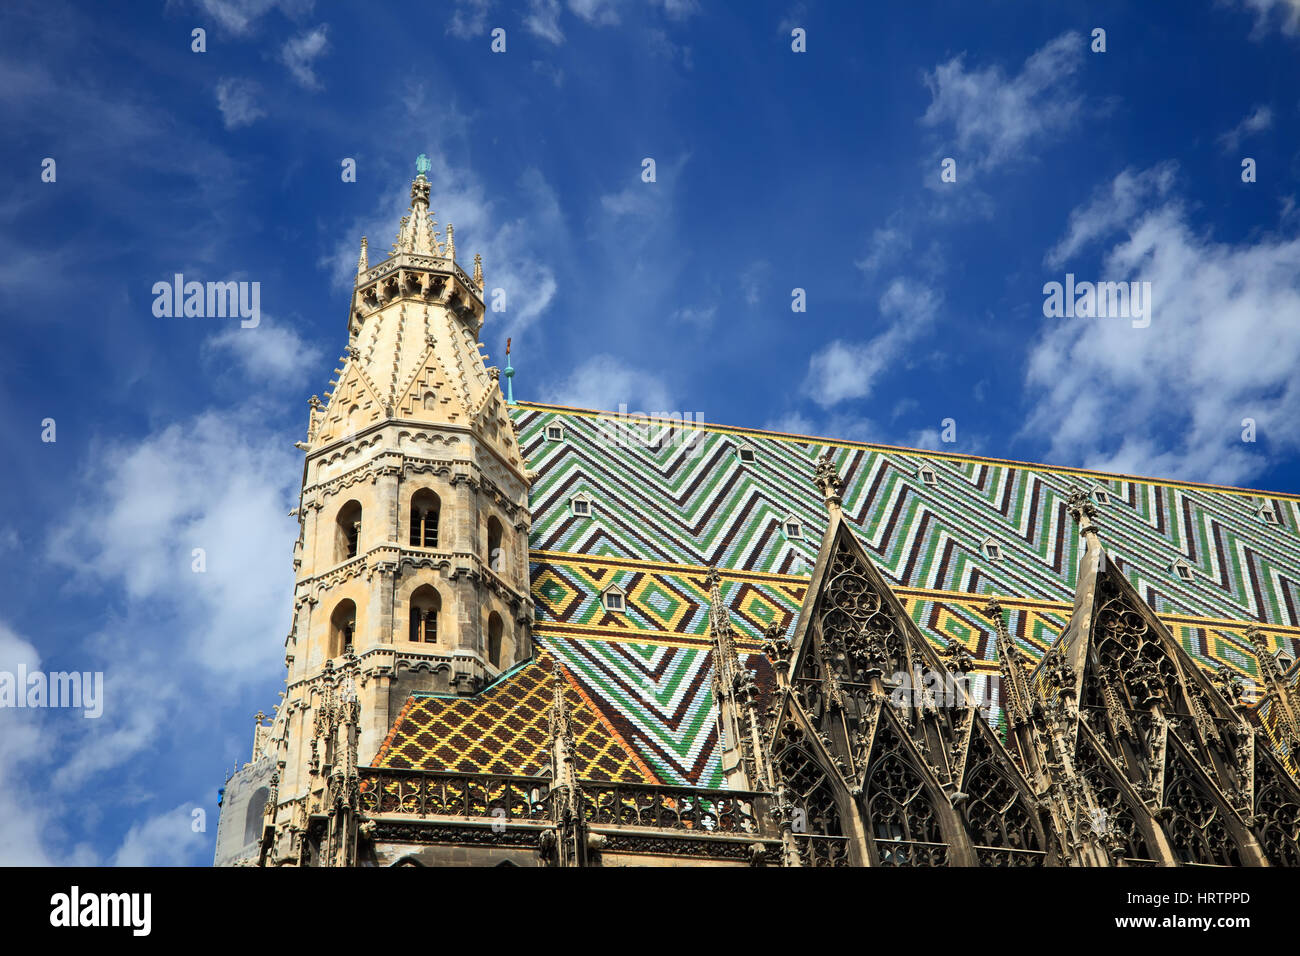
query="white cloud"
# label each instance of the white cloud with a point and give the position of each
(238, 101)
(1111, 206)
(469, 18)
(222, 483)
(270, 352)
(752, 280)
(166, 839)
(604, 382)
(543, 20)
(1221, 346)
(241, 16)
(847, 370)
(887, 245)
(1258, 120)
(700, 315)
(24, 743)
(596, 12)
(299, 53)
(995, 119)
(1285, 13)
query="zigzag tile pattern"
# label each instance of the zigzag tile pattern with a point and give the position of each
(664, 512)
(702, 505)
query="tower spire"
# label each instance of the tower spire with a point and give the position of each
(416, 234)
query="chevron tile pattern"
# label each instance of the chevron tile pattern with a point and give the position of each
(662, 514)
(703, 506)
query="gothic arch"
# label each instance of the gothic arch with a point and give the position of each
(909, 820)
(1200, 827)
(1277, 811)
(343, 627)
(495, 629)
(425, 512)
(1001, 822)
(424, 607)
(347, 531)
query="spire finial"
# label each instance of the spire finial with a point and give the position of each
(829, 482)
(451, 242)
(422, 166)
(478, 271)
(363, 261)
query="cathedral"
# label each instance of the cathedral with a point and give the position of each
(530, 635)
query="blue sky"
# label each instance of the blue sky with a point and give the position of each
(775, 170)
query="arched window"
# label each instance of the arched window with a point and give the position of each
(253, 816)
(495, 556)
(348, 536)
(495, 628)
(343, 626)
(425, 605)
(430, 401)
(425, 508)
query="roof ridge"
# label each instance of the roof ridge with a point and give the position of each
(930, 453)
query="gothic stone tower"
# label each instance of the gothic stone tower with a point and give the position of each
(412, 556)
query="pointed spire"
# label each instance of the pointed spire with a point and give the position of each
(451, 242)
(1287, 720)
(1016, 696)
(363, 261)
(829, 482)
(416, 234)
(478, 271)
(510, 372)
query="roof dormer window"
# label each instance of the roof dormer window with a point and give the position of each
(746, 454)
(992, 550)
(555, 433)
(614, 599)
(1183, 570)
(1101, 496)
(1264, 508)
(581, 506)
(929, 477)
(793, 528)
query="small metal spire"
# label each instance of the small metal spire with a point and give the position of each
(510, 372)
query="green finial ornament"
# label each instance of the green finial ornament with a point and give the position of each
(422, 164)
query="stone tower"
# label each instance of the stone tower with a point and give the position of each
(412, 554)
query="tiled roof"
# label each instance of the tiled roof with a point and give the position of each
(662, 515)
(504, 730)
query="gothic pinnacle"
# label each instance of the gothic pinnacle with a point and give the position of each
(1082, 510)
(829, 482)
(478, 271)
(362, 261)
(451, 242)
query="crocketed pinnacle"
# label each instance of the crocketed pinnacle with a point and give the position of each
(417, 234)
